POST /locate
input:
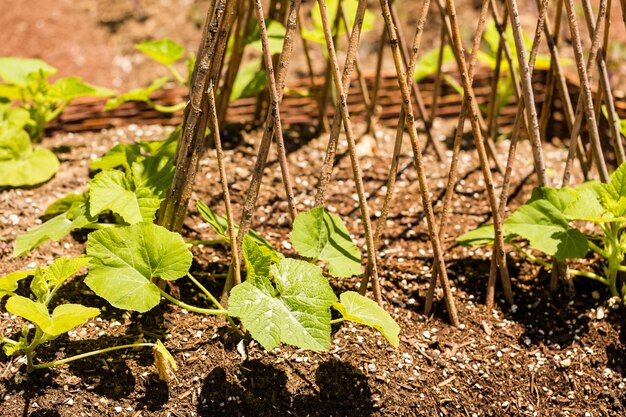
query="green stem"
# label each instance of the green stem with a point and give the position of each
(177, 75)
(182, 304)
(531, 257)
(591, 275)
(335, 321)
(170, 109)
(92, 353)
(9, 341)
(597, 249)
(209, 242)
(214, 301)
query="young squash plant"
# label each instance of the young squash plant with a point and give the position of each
(115, 197)
(49, 324)
(283, 300)
(28, 102)
(166, 52)
(556, 222)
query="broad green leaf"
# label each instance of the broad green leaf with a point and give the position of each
(359, 309)
(483, 235)
(452, 82)
(15, 117)
(17, 70)
(427, 64)
(33, 311)
(54, 229)
(139, 94)
(219, 224)
(9, 283)
(63, 268)
(112, 190)
(64, 204)
(614, 193)
(321, 235)
(154, 175)
(250, 81)
(587, 205)
(36, 168)
(295, 310)
(14, 144)
(560, 198)
(258, 259)
(126, 259)
(164, 51)
(69, 88)
(275, 36)
(67, 316)
(547, 230)
(39, 286)
(64, 318)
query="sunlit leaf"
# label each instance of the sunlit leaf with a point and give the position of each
(294, 308)
(17, 70)
(126, 259)
(354, 307)
(164, 51)
(140, 94)
(321, 235)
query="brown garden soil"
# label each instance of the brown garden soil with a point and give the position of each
(545, 356)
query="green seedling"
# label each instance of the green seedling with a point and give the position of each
(20, 164)
(48, 323)
(350, 7)
(555, 220)
(166, 52)
(28, 102)
(115, 197)
(25, 82)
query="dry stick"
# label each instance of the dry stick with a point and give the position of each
(307, 51)
(491, 147)
(551, 79)
(587, 99)
(527, 93)
(241, 31)
(362, 84)
(347, 124)
(214, 125)
(419, 164)
(275, 110)
(252, 194)
(395, 159)
(174, 208)
(453, 171)
(579, 107)
(605, 45)
(561, 83)
(417, 95)
(379, 71)
(503, 47)
(519, 120)
(323, 122)
(438, 76)
(331, 150)
(605, 86)
(482, 154)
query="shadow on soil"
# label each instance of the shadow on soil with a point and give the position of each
(261, 390)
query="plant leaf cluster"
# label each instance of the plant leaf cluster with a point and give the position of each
(28, 102)
(556, 222)
(115, 197)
